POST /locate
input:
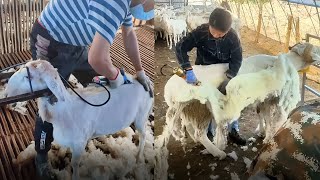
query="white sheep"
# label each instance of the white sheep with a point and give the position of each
(76, 122)
(261, 79)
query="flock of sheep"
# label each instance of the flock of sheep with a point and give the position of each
(172, 23)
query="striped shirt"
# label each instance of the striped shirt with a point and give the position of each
(75, 22)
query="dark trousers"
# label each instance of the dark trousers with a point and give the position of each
(67, 59)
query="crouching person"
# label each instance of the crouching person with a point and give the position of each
(61, 35)
(216, 42)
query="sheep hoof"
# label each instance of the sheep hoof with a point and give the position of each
(222, 155)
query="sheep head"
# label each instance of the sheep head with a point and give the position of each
(42, 75)
(309, 52)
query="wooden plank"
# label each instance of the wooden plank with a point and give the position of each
(28, 19)
(19, 25)
(6, 161)
(298, 36)
(2, 62)
(10, 121)
(7, 60)
(10, 153)
(11, 25)
(6, 34)
(2, 126)
(1, 30)
(2, 171)
(25, 22)
(4, 122)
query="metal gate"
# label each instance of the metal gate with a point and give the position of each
(304, 76)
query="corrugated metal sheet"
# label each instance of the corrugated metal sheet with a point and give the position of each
(16, 130)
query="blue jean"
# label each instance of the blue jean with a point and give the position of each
(234, 125)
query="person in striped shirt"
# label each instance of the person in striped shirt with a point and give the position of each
(62, 35)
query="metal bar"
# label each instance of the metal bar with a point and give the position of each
(304, 77)
(312, 90)
(24, 97)
(308, 36)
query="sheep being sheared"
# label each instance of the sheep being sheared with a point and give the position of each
(76, 122)
(277, 81)
(301, 56)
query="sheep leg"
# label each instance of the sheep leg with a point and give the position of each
(170, 41)
(75, 161)
(167, 39)
(191, 132)
(220, 137)
(142, 140)
(211, 147)
(172, 115)
(260, 131)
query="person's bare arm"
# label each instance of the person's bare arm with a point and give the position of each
(99, 57)
(131, 46)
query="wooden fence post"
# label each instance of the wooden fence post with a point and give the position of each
(286, 48)
(259, 23)
(298, 38)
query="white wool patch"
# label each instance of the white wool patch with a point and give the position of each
(310, 115)
(270, 154)
(213, 177)
(233, 155)
(252, 139)
(227, 169)
(72, 79)
(188, 166)
(254, 149)
(244, 148)
(295, 129)
(247, 161)
(171, 175)
(26, 154)
(234, 176)
(19, 107)
(313, 163)
(213, 166)
(95, 164)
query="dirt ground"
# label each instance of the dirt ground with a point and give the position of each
(200, 163)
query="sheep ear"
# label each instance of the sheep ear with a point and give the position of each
(316, 58)
(51, 77)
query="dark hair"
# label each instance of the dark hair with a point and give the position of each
(220, 19)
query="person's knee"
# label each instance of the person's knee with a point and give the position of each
(43, 135)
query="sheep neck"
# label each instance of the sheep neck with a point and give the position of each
(297, 61)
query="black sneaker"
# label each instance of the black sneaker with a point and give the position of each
(235, 137)
(43, 169)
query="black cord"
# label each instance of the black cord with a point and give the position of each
(161, 69)
(109, 95)
(12, 66)
(70, 86)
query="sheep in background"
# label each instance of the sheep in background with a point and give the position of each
(173, 29)
(173, 24)
(276, 76)
(128, 103)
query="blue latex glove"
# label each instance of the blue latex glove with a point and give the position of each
(191, 77)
